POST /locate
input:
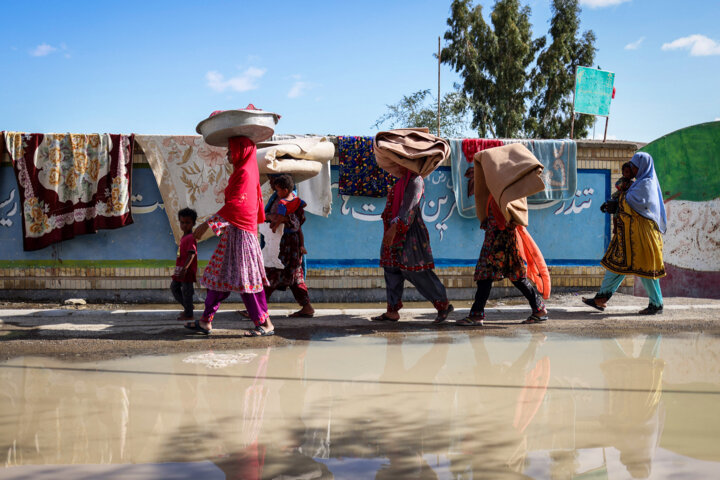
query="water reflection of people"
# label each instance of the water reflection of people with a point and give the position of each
(504, 411)
(423, 413)
(635, 416)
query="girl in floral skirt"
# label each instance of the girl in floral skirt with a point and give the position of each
(237, 263)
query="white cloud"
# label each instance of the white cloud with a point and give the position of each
(298, 89)
(241, 83)
(717, 119)
(601, 3)
(634, 45)
(42, 50)
(699, 45)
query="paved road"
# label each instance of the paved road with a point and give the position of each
(109, 331)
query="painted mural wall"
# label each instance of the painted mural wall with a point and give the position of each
(687, 163)
(572, 232)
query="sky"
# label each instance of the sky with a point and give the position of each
(328, 67)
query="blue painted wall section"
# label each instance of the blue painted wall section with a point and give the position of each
(573, 232)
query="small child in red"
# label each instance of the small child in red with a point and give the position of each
(185, 265)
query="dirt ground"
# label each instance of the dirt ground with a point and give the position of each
(100, 332)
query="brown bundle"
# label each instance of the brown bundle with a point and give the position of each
(414, 149)
(510, 174)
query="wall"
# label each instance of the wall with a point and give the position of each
(134, 263)
(686, 162)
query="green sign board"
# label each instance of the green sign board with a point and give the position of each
(593, 91)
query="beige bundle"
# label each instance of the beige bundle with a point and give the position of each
(301, 157)
(510, 174)
(414, 149)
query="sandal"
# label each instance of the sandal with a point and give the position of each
(259, 332)
(651, 310)
(443, 315)
(196, 326)
(383, 318)
(469, 322)
(536, 317)
(591, 302)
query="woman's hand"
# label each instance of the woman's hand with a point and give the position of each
(389, 235)
(200, 231)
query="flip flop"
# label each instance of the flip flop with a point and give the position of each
(383, 318)
(591, 303)
(259, 332)
(469, 322)
(196, 326)
(301, 315)
(443, 315)
(535, 318)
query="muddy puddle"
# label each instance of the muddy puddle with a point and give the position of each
(430, 406)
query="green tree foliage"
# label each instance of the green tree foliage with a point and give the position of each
(493, 63)
(419, 109)
(507, 96)
(553, 78)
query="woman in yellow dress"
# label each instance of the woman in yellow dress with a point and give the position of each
(637, 246)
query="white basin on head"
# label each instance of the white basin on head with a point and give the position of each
(257, 125)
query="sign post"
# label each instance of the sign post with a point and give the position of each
(592, 94)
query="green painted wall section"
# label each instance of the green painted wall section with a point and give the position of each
(687, 162)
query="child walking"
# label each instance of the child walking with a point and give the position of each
(185, 265)
(287, 211)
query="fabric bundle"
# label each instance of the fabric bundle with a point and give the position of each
(510, 174)
(537, 269)
(463, 171)
(189, 173)
(359, 173)
(70, 184)
(559, 159)
(301, 157)
(413, 149)
(307, 159)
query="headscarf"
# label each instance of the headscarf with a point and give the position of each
(399, 192)
(644, 195)
(243, 197)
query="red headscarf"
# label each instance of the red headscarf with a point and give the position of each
(399, 192)
(243, 198)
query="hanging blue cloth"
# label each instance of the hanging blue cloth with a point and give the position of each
(645, 195)
(559, 157)
(464, 199)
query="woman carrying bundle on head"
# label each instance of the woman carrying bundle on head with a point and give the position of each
(237, 263)
(510, 173)
(405, 254)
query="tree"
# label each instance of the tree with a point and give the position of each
(506, 96)
(493, 63)
(419, 109)
(553, 78)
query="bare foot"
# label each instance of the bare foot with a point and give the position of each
(307, 311)
(183, 318)
(205, 325)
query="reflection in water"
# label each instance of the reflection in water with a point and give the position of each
(433, 406)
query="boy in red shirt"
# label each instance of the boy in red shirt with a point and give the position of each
(185, 265)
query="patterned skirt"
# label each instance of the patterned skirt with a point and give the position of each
(237, 263)
(291, 257)
(500, 257)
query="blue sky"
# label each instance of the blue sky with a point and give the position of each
(327, 67)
